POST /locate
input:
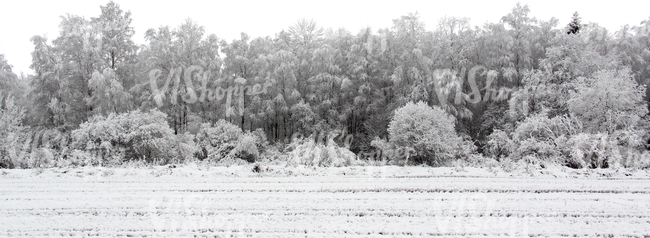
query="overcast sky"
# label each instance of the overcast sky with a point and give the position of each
(22, 19)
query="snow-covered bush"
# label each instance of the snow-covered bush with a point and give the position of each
(541, 149)
(538, 136)
(224, 140)
(388, 153)
(543, 128)
(218, 140)
(562, 140)
(466, 148)
(246, 149)
(631, 138)
(586, 150)
(499, 145)
(41, 157)
(80, 158)
(583, 150)
(379, 150)
(138, 135)
(308, 152)
(631, 158)
(13, 135)
(429, 130)
(184, 147)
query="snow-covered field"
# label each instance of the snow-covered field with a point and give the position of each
(321, 202)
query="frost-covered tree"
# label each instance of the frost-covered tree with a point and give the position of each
(108, 94)
(116, 47)
(8, 79)
(114, 25)
(429, 130)
(521, 28)
(609, 101)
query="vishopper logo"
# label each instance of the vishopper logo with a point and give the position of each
(445, 81)
(322, 137)
(389, 154)
(234, 94)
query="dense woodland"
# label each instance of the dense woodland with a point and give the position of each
(520, 90)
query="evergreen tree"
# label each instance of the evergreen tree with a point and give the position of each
(574, 26)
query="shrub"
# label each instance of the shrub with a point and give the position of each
(540, 149)
(82, 158)
(273, 155)
(539, 140)
(589, 151)
(499, 145)
(538, 136)
(380, 148)
(631, 138)
(42, 157)
(218, 140)
(260, 139)
(246, 149)
(185, 147)
(139, 135)
(466, 148)
(12, 134)
(251, 146)
(635, 159)
(388, 152)
(224, 140)
(53, 140)
(543, 128)
(307, 152)
(430, 131)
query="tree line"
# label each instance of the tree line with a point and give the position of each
(517, 88)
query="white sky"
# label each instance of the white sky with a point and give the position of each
(22, 19)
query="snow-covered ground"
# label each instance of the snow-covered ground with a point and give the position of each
(322, 202)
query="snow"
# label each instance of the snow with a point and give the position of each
(322, 202)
